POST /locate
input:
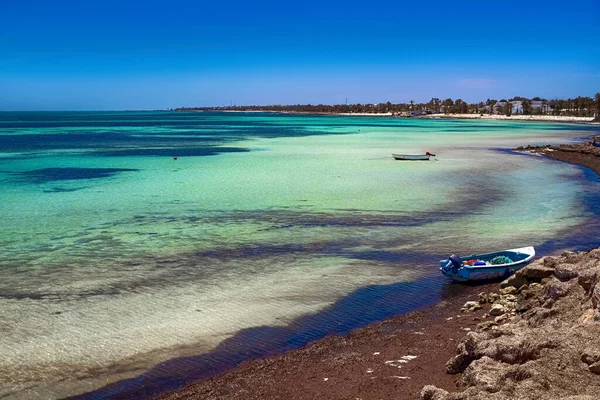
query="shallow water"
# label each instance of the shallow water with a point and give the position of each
(116, 256)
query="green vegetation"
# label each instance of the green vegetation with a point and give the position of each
(578, 107)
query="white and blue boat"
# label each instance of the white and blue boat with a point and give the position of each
(475, 267)
(413, 157)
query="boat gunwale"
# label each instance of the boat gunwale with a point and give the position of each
(529, 250)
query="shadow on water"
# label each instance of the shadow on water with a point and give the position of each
(358, 309)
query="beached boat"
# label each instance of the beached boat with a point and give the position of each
(413, 157)
(500, 264)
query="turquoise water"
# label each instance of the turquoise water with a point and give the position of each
(116, 256)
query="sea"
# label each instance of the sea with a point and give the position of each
(142, 250)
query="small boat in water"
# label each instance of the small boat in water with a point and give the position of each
(413, 157)
(500, 264)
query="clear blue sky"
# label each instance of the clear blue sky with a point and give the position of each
(67, 54)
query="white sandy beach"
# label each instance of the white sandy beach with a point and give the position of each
(545, 118)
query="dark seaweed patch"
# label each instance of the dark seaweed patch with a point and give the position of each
(61, 190)
(65, 174)
(170, 152)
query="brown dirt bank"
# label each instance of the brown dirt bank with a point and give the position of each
(366, 364)
(580, 154)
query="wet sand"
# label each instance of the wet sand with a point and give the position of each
(370, 363)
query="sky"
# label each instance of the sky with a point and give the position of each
(117, 55)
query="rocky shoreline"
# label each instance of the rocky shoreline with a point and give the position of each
(540, 338)
(586, 154)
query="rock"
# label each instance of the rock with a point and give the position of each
(596, 296)
(485, 373)
(483, 298)
(572, 257)
(556, 289)
(484, 326)
(514, 281)
(523, 287)
(534, 286)
(508, 290)
(590, 356)
(471, 306)
(550, 262)
(594, 254)
(565, 272)
(497, 309)
(508, 298)
(465, 353)
(524, 305)
(595, 368)
(587, 279)
(501, 318)
(431, 392)
(536, 271)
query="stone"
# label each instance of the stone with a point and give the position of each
(509, 298)
(514, 281)
(536, 271)
(471, 306)
(431, 392)
(596, 296)
(565, 272)
(595, 368)
(587, 279)
(551, 262)
(572, 257)
(484, 326)
(523, 287)
(483, 298)
(524, 305)
(484, 373)
(556, 289)
(497, 309)
(590, 356)
(594, 254)
(508, 290)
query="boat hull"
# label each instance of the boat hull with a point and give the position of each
(411, 157)
(522, 257)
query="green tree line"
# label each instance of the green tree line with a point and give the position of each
(579, 107)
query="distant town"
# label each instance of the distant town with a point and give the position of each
(576, 107)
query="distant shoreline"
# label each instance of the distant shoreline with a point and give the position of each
(494, 117)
